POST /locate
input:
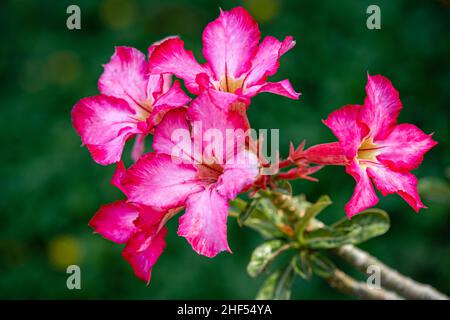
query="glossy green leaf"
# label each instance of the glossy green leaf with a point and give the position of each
(284, 187)
(278, 285)
(249, 209)
(360, 228)
(321, 265)
(310, 213)
(263, 255)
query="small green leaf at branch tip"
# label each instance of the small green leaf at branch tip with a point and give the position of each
(278, 285)
(263, 255)
(302, 265)
(310, 213)
(321, 265)
(245, 214)
(284, 187)
(362, 227)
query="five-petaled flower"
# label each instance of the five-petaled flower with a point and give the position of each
(372, 146)
(131, 103)
(202, 177)
(237, 67)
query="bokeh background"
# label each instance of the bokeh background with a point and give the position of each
(50, 187)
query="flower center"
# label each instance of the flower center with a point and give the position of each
(368, 150)
(209, 172)
(229, 84)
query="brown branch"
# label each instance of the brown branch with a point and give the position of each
(344, 283)
(390, 278)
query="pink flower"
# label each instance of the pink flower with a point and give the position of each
(373, 147)
(131, 103)
(200, 177)
(141, 228)
(236, 68)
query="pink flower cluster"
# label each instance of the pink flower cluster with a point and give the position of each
(138, 97)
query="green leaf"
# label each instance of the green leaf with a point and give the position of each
(362, 227)
(311, 212)
(321, 265)
(278, 285)
(265, 219)
(263, 255)
(302, 265)
(249, 209)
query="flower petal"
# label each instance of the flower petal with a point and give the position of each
(104, 124)
(156, 180)
(326, 154)
(265, 63)
(230, 42)
(346, 127)
(173, 137)
(115, 221)
(142, 257)
(381, 107)
(364, 196)
(402, 183)
(239, 173)
(171, 57)
(125, 76)
(405, 147)
(204, 225)
(282, 88)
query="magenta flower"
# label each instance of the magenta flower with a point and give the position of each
(202, 177)
(131, 103)
(236, 68)
(373, 147)
(140, 227)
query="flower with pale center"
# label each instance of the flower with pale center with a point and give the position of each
(131, 103)
(373, 147)
(183, 173)
(237, 66)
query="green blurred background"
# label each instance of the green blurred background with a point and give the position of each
(50, 187)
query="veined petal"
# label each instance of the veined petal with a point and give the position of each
(115, 221)
(230, 42)
(104, 124)
(265, 63)
(364, 196)
(204, 225)
(171, 57)
(402, 183)
(125, 76)
(405, 147)
(381, 107)
(156, 180)
(142, 258)
(282, 88)
(239, 173)
(326, 154)
(346, 127)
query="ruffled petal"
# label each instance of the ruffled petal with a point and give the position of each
(282, 88)
(115, 221)
(143, 250)
(171, 57)
(204, 225)
(265, 63)
(104, 124)
(125, 76)
(230, 42)
(405, 147)
(156, 180)
(346, 127)
(240, 172)
(173, 137)
(364, 196)
(381, 107)
(326, 154)
(402, 183)
(173, 98)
